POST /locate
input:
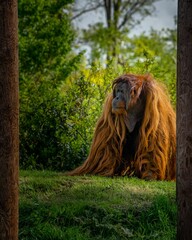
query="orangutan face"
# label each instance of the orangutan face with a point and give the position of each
(129, 101)
(121, 98)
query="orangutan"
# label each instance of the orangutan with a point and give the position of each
(136, 133)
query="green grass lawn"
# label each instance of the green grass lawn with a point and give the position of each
(54, 206)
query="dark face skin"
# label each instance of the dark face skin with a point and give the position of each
(123, 97)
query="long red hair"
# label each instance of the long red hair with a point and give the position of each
(155, 156)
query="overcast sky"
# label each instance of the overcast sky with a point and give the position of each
(163, 17)
(166, 10)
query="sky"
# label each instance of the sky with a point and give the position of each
(163, 17)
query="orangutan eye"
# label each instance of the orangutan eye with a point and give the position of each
(120, 91)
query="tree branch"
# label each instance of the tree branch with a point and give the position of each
(81, 12)
(133, 9)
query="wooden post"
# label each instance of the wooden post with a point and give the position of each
(9, 142)
(184, 121)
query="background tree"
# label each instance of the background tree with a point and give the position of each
(9, 111)
(120, 16)
(184, 121)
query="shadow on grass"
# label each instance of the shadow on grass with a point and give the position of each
(92, 208)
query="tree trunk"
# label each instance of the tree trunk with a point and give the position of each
(9, 150)
(184, 121)
(112, 16)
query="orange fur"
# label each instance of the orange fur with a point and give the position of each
(154, 157)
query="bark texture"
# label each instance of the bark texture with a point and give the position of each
(9, 150)
(184, 121)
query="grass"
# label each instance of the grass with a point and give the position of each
(54, 206)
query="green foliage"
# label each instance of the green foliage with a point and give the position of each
(46, 60)
(53, 206)
(45, 35)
